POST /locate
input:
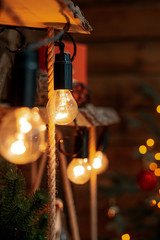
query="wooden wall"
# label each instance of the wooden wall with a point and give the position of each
(123, 52)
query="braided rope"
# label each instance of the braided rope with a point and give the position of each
(51, 139)
(93, 184)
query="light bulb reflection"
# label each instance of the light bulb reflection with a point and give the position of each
(22, 137)
(78, 171)
(62, 107)
(100, 162)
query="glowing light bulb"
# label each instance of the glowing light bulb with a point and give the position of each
(22, 136)
(153, 166)
(157, 156)
(62, 107)
(158, 109)
(150, 142)
(157, 172)
(125, 236)
(153, 202)
(100, 162)
(142, 149)
(78, 171)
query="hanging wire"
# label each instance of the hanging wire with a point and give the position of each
(78, 137)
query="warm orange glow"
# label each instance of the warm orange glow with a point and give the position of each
(158, 204)
(42, 127)
(157, 172)
(157, 156)
(89, 168)
(150, 142)
(125, 236)
(62, 107)
(18, 147)
(22, 138)
(24, 125)
(100, 162)
(78, 171)
(142, 149)
(158, 109)
(152, 166)
(153, 203)
(97, 163)
(112, 211)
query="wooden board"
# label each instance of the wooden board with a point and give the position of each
(43, 14)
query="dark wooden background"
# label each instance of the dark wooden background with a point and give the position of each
(123, 52)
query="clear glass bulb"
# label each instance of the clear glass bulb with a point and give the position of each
(78, 171)
(62, 107)
(22, 136)
(100, 162)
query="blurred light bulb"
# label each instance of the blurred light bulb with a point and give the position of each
(78, 171)
(100, 162)
(62, 107)
(153, 202)
(150, 142)
(142, 149)
(125, 236)
(22, 136)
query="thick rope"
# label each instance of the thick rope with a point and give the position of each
(51, 139)
(93, 184)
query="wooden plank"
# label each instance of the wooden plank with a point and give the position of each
(124, 56)
(110, 22)
(121, 89)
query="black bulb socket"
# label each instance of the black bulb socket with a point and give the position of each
(62, 71)
(22, 90)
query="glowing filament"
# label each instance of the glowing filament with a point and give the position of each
(97, 163)
(25, 126)
(78, 170)
(89, 168)
(61, 115)
(18, 147)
